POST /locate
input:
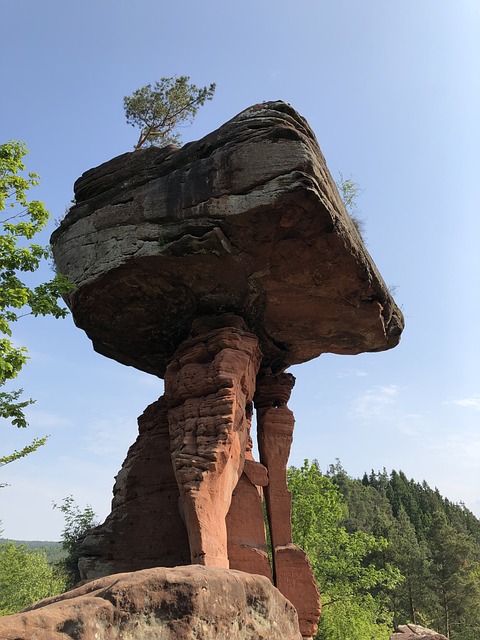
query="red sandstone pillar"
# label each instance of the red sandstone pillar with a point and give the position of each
(247, 544)
(292, 572)
(209, 387)
(275, 423)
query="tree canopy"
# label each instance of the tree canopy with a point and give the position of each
(350, 578)
(77, 524)
(20, 220)
(434, 543)
(160, 109)
(25, 577)
(386, 551)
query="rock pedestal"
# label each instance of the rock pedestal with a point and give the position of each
(209, 392)
(209, 387)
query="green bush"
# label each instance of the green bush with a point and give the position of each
(25, 577)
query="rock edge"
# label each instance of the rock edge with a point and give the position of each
(175, 604)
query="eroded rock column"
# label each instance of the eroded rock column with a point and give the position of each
(293, 574)
(209, 388)
(247, 543)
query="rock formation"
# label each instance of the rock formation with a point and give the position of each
(217, 266)
(172, 604)
(209, 387)
(416, 632)
(247, 220)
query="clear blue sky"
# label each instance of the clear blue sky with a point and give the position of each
(392, 91)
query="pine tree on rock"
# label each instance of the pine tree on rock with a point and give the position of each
(160, 109)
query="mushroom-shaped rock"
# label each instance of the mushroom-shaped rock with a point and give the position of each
(216, 266)
(246, 220)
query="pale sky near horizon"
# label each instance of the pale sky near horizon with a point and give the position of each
(392, 91)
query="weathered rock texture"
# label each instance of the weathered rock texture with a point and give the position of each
(247, 544)
(415, 632)
(247, 220)
(173, 604)
(217, 266)
(145, 528)
(209, 387)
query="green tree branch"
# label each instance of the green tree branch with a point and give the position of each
(20, 221)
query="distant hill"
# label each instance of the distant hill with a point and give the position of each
(53, 550)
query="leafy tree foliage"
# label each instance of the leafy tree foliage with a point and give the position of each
(348, 577)
(349, 191)
(26, 574)
(160, 109)
(25, 577)
(434, 543)
(455, 577)
(355, 619)
(20, 221)
(77, 525)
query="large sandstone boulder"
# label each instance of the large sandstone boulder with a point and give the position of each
(246, 220)
(172, 604)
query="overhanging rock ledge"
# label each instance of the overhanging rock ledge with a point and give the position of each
(246, 220)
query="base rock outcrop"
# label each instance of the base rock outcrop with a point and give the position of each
(179, 603)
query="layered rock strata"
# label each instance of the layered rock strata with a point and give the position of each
(173, 604)
(246, 220)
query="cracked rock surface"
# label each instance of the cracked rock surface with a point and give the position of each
(246, 220)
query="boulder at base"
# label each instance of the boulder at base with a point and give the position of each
(170, 603)
(416, 632)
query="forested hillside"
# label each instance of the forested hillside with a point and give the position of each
(386, 551)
